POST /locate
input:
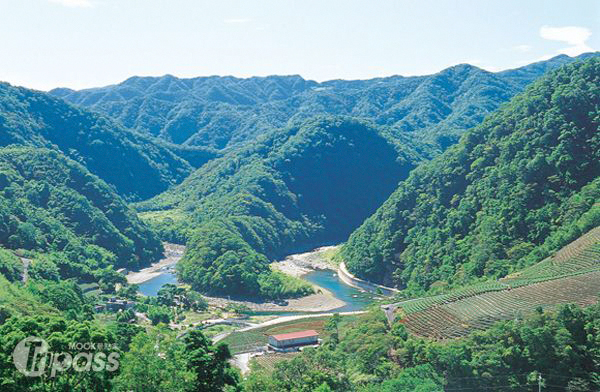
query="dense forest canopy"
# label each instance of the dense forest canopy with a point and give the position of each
(296, 188)
(51, 204)
(488, 205)
(221, 112)
(138, 166)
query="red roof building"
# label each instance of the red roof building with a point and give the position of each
(294, 339)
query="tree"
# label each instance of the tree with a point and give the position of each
(129, 291)
(59, 333)
(209, 363)
(156, 362)
(125, 316)
(159, 314)
(109, 278)
(324, 388)
(10, 266)
(43, 268)
(418, 379)
(332, 326)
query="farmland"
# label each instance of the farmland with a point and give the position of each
(250, 340)
(572, 275)
(268, 361)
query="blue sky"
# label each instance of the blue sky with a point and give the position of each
(86, 43)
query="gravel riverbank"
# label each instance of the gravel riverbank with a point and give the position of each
(173, 253)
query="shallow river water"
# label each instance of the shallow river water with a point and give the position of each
(354, 299)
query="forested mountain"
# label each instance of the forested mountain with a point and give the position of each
(511, 192)
(298, 187)
(220, 112)
(314, 182)
(138, 166)
(51, 204)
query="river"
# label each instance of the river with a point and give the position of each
(355, 299)
(150, 287)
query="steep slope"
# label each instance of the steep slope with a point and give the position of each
(138, 166)
(221, 112)
(50, 203)
(298, 187)
(15, 300)
(508, 194)
(571, 276)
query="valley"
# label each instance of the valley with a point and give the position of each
(189, 222)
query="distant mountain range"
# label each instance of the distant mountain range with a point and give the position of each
(221, 112)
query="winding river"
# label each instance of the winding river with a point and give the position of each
(354, 298)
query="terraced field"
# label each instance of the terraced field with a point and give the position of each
(268, 361)
(580, 256)
(572, 275)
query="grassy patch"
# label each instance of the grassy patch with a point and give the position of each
(195, 317)
(330, 256)
(210, 332)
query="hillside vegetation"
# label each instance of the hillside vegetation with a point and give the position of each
(370, 355)
(297, 188)
(509, 194)
(51, 204)
(571, 276)
(221, 112)
(17, 301)
(137, 166)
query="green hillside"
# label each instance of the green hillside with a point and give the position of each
(49, 203)
(508, 195)
(17, 301)
(297, 188)
(137, 166)
(570, 276)
(221, 112)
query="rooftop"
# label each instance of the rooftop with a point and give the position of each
(296, 335)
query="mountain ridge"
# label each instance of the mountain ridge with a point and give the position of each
(490, 203)
(221, 112)
(33, 118)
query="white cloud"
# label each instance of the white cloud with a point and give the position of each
(237, 20)
(575, 36)
(73, 3)
(522, 48)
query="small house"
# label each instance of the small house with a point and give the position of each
(114, 304)
(286, 341)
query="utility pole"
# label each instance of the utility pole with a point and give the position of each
(540, 382)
